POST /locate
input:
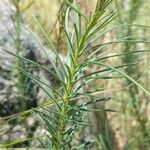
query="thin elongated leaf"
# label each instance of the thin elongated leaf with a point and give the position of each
(122, 54)
(126, 76)
(70, 44)
(111, 29)
(49, 125)
(36, 80)
(103, 70)
(95, 49)
(36, 64)
(15, 142)
(98, 100)
(101, 25)
(53, 48)
(28, 6)
(44, 49)
(74, 8)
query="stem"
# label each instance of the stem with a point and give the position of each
(66, 99)
(20, 83)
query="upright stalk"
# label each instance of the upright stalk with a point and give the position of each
(66, 99)
(20, 83)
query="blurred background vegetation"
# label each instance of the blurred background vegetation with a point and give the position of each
(126, 128)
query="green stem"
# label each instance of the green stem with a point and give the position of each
(20, 83)
(66, 98)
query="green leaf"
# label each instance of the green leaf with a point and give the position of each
(73, 7)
